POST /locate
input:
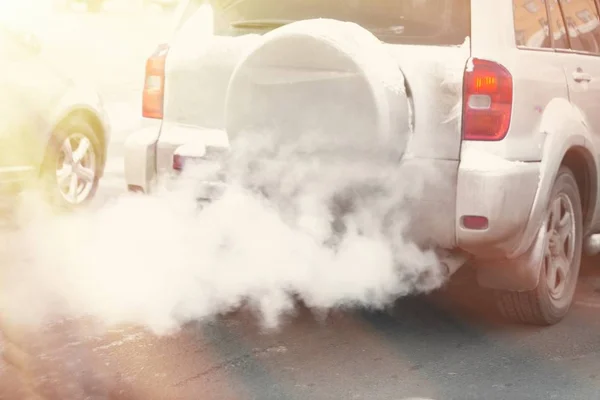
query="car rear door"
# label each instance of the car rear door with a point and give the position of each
(580, 57)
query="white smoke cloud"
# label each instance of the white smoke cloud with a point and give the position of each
(326, 217)
(324, 222)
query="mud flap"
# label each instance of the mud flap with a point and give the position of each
(520, 274)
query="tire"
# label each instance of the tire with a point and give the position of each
(76, 132)
(551, 300)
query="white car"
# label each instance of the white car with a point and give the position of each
(53, 132)
(503, 103)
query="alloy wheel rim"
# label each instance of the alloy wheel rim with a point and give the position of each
(560, 249)
(76, 168)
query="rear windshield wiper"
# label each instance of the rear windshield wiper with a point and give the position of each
(261, 23)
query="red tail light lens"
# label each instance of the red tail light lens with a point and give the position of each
(475, 222)
(154, 84)
(487, 101)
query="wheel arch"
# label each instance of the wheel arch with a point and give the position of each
(581, 162)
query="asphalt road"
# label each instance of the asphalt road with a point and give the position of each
(449, 345)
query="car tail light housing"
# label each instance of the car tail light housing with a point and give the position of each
(154, 83)
(487, 101)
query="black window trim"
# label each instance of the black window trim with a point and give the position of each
(551, 33)
(570, 50)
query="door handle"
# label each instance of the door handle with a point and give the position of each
(580, 76)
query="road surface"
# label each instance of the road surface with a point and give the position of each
(444, 346)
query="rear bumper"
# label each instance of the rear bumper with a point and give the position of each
(140, 158)
(501, 191)
(147, 158)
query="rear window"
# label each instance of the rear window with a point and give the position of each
(432, 22)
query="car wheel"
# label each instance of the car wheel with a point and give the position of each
(550, 301)
(72, 167)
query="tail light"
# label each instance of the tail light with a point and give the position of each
(154, 84)
(487, 101)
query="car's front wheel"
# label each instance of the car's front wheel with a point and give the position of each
(72, 167)
(550, 301)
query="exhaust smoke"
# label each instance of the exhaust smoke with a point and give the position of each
(321, 204)
(318, 220)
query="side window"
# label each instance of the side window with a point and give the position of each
(582, 24)
(531, 24)
(558, 28)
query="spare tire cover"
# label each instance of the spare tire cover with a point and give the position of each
(325, 77)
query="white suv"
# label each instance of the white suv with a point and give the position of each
(501, 97)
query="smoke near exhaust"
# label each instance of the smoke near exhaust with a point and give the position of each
(321, 221)
(323, 207)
